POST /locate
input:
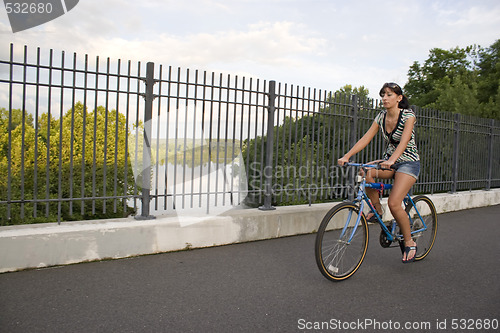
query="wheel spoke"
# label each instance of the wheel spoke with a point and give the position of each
(339, 252)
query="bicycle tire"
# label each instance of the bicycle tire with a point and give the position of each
(425, 239)
(338, 260)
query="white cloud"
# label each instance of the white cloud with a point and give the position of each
(280, 44)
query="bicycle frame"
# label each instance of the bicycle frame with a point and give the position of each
(362, 199)
(341, 245)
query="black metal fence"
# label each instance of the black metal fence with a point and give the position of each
(91, 138)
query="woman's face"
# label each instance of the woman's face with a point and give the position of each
(390, 99)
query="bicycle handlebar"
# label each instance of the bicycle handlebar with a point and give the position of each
(374, 166)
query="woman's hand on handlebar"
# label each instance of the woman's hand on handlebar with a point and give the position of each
(343, 160)
(386, 164)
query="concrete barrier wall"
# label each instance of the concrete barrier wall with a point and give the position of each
(50, 244)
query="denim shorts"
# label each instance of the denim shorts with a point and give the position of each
(411, 168)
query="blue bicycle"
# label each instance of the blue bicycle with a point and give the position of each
(342, 237)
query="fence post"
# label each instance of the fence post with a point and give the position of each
(490, 156)
(268, 167)
(146, 148)
(353, 127)
(456, 146)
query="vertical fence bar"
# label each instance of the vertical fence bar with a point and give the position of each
(235, 152)
(490, 155)
(146, 148)
(268, 168)
(105, 150)
(352, 140)
(456, 147)
(303, 114)
(296, 192)
(195, 139)
(210, 134)
(353, 120)
(126, 153)
(185, 150)
(165, 172)
(226, 129)
(311, 171)
(217, 142)
(48, 143)
(72, 136)
(158, 144)
(9, 124)
(37, 101)
(94, 144)
(117, 120)
(136, 137)
(167, 134)
(23, 131)
(202, 143)
(84, 135)
(60, 157)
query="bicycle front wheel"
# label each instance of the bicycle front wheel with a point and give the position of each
(428, 218)
(341, 244)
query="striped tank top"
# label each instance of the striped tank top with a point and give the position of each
(392, 139)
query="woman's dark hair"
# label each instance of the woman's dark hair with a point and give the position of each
(404, 104)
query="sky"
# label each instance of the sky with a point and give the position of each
(322, 44)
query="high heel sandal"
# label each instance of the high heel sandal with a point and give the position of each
(373, 218)
(407, 251)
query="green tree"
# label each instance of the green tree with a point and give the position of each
(457, 96)
(459, 80)
(360, 91)
(81, 155)
(489, 72)
(488, 92)
(18, 160)
(16, 119)
(441, 64)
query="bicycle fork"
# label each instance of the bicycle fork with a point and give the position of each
(353, 232)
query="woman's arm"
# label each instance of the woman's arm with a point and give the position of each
(361, 144)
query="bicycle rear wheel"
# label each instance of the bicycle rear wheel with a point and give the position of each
(424, 239)
(341, 246)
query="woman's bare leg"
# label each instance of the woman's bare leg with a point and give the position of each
(371, 175)
(402, 184)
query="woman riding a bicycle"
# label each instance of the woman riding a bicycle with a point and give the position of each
(396, 123)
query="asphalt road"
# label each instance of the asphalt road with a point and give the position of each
(270, 286)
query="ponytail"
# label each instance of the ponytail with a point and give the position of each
(404, 104)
